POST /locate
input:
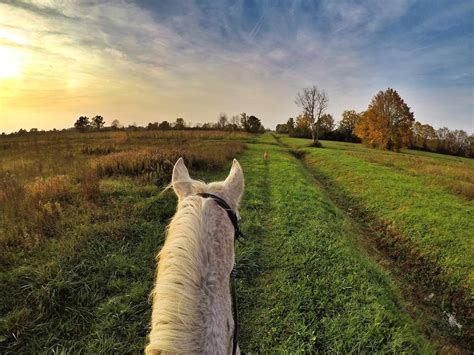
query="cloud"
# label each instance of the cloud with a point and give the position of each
(146, 61)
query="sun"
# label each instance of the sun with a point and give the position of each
(10, 63)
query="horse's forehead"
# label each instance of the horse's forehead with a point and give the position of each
(217, 186)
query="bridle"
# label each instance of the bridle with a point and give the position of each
(233, 274)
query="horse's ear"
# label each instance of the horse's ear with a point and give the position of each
(181, 181)
(234, 184)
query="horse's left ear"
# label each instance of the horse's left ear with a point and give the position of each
(234, 184)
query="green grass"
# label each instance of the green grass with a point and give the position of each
(306, 282)
(306, 286)
(88, 290)
(426, 226)
(78, 279)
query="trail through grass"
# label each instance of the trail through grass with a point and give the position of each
(306, 286)
(426, 229)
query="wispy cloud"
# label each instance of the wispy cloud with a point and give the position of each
(146, 61)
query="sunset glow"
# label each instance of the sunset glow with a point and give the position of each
(10, 63)
(149, 61)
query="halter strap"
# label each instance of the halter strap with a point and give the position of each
(230, 212)
(233, 274)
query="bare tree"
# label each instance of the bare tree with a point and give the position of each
(222, 121)
(313, 102)
(235, 122)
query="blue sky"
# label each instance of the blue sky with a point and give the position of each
(154, 60)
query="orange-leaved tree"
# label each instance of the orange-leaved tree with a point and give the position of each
(387, 123)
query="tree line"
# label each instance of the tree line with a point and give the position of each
(242, 122)
(388, 123)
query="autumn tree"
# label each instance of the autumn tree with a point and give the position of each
(82, 123)
(422, 133)
(387, 123)
(348, 123)
(313, 102)
(302, 127)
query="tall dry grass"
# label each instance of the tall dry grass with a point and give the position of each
(457, 177)
(43, 181)
(51, 189)
(157, 163)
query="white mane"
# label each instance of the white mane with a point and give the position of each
(191, 311)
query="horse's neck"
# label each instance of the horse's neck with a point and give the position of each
(191, 303)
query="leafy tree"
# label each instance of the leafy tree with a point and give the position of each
(387, 123)
(291, 125)
(422, 133)
(97, 122)
(165, 125)
(179, 124)
(313, 102)
(33, 130)
(254, 124)
(82, 123)
(326, 124)
(347, 126)
(116, 124)
(303, 126)
(282, 128)
(244, 121)
(152, 126)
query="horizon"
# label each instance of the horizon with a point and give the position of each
(196, 60)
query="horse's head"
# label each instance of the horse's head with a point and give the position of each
(230, 190)
(191, 302)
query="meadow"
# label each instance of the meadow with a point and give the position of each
(344, 243)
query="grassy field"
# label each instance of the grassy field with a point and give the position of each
(417, 195)
(81, 219)
(83, 215)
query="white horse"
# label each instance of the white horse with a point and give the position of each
(192, 308)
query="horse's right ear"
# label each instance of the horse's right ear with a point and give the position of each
(181, 181)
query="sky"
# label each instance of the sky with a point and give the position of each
(147, 61)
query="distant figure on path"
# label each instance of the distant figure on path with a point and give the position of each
(265, 156)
